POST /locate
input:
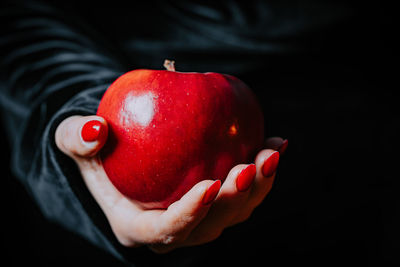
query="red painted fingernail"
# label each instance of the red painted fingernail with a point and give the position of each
(211, 192)
(91, 130)
(245, 178)
(270, 164)
(283, 147)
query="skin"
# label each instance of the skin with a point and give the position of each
(186, 222)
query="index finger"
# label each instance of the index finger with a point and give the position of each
(184, 215)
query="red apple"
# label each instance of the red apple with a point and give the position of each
(169, 130)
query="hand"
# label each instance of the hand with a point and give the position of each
(198, 217)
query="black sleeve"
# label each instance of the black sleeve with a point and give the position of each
(52, 68)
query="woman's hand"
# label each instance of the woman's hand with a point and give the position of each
(198, 217)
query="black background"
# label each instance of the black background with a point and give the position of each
(334, 200)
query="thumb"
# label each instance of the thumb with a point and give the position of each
(81, 136)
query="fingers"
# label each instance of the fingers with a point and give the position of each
(265, 168)
(81, 136)
(235, 190)
(230, 200)
(181, 217)
(191, 208)
(163, 230)
(193, 221)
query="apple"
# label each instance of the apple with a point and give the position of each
(168, 130)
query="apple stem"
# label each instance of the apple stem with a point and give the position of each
(169, 65)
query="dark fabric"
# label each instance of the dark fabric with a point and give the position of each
(318, 68)
(52, 69)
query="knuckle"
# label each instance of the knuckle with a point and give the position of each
(171, 239)
(168, 240)
(175, 231)
(180, 218)
(166, 243)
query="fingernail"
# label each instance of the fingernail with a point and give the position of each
(270, 164)
(91, 130)
(283, 147)
(245, 178)
(211, 192)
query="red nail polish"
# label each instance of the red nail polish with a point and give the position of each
(270, 164)
(211, 192)
(283, 147)
(91, 130)
(245, 178)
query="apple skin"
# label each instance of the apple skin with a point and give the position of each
(169, 130)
